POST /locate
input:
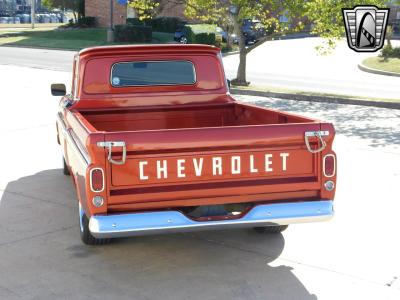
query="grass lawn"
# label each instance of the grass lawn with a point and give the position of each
(74, 39)
(390, 64)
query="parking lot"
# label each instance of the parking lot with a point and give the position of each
(354, 256)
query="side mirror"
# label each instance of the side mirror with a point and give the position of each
(58, 89)
(229, 83)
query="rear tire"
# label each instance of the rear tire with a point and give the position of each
(65, 168)
(86, 236)
(271, 229)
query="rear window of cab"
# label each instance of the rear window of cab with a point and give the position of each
(152, 73)
(191, 72)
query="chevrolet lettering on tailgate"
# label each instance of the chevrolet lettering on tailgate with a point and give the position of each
(155, 143)
(220, 165)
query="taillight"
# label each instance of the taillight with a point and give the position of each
(97, 180)
(329, 165)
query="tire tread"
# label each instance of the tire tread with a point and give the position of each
(271, 229)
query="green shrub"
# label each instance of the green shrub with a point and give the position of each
(134, 21)
(389, 52)
(188, 31)
(165, 24)
(207, 38)
(133, 33)
(396, 52)
(200, 34)
(87, 21)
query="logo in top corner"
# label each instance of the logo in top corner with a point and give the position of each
(365, 27)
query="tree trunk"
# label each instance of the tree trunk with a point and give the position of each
(241, 72)
(228, 38)
(389, 35)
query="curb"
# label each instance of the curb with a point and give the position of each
(376, 71)
(312, 98)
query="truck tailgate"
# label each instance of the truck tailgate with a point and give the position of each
(213, 164)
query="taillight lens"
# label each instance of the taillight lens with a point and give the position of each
(97, 180)
(329, 165)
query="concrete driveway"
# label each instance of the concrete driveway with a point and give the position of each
(355, 256)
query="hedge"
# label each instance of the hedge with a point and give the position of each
(133, 33)
(206, 38)
(165, 24)
(88, 21)
(134, 21)
(160, 24)
(200, 34)
(390, 52)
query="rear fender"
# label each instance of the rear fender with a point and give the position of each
(325, 194)
(98, 161)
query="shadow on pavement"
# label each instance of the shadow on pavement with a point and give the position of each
(375, 125)
(42, 256)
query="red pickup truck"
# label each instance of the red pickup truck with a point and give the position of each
(155, 143)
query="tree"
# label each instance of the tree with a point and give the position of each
(146, 9)
(327, 18)
(77, 6)
(237, 11)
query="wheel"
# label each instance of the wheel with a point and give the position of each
(65, 168)
(183, 40)
(271, 229)
(86, 237)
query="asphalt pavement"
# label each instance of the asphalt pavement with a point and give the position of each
(354, 256)
(286, 64)
(56, 60)
(296, 64)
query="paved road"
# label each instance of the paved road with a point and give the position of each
(37, 58)
(295, 64)
(355, 256)
(291, 64)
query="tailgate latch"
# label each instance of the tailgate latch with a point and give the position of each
(110, 146)
(317, 134)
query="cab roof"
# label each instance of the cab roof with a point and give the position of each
(147, 49)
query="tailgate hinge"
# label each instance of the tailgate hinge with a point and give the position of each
(319, 134)
(110, 145)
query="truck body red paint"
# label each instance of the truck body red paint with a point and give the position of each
(181, 143)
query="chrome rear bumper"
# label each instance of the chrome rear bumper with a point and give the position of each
(124, 225)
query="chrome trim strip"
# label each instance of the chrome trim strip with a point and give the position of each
(76, 79)
(132, 224)
(90, 179)
(82, 150)
(64, 126)
(334, 165)
(68, 135)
